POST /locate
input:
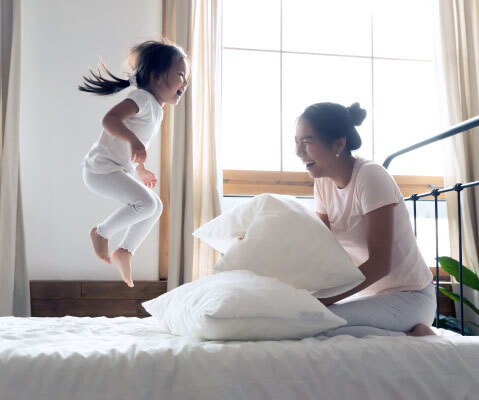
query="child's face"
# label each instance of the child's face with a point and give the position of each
(318, 158)
(169, 87)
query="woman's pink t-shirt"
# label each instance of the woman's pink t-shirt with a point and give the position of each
(370, 188)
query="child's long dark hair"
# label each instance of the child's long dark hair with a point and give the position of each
(147, 58)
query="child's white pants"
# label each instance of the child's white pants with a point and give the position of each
(142, 207)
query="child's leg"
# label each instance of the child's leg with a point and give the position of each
(140, 202)
(388, 314)
(141, 211)
(136, 233)
(100, 245)
(133, 238)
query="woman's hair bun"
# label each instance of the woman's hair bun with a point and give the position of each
(356, 114)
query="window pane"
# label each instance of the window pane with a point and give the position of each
(426, 224)
(326, 26)
(309, 79)
(251, 129)
(403, 29)
(252, 24)
(405, 113)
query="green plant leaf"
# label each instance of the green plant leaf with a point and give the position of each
(452, 324)
(455, 297)
(451, 266)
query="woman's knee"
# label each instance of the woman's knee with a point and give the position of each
(429, 307)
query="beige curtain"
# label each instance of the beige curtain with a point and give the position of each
(457, 60)
(195, 179)
(14, 286)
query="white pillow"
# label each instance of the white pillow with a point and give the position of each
(285, 239)
(240, 305)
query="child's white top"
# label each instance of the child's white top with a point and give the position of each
(111, 154)
(370, 188)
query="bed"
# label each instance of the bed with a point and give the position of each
(129, 358)
(132, 358)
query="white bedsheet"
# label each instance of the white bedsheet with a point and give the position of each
(128, 358)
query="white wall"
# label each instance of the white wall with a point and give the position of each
(60, 39)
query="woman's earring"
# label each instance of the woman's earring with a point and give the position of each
(337, 154)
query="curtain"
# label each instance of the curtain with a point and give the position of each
(194, 178)
(14, 285)
(457, 61)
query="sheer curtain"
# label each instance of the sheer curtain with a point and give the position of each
(457, 60)
(194, 177)
(14, 285)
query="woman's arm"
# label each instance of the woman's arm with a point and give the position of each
(113, 123)
(379, 231)
(325, 219)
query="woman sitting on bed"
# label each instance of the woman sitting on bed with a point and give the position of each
(362, 205)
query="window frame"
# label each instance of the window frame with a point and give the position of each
(289, 182)
(251, 182)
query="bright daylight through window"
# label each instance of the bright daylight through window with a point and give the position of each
(282, 55)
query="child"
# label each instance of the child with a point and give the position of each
(160, 76)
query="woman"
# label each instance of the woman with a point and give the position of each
(363, 207)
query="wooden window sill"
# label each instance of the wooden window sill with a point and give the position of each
(243, 182)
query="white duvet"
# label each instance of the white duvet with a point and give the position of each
(128, 358)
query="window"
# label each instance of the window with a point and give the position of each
(280, 56)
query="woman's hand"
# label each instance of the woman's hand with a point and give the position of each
(138, 151)
(379, 232)
(147, 177)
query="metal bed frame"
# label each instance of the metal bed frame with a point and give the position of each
(463, 126)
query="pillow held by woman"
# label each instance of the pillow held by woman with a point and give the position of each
(282, 238)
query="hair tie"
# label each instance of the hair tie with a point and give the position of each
(132, 79)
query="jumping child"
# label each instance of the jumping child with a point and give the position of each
(159, 74)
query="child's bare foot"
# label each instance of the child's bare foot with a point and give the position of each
(421, 330)
(100, 246)
(122, 258)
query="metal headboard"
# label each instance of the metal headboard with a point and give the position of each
(463, 126)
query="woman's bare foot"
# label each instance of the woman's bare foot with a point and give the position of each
(421, 330)
(122, 259)
(100, 246)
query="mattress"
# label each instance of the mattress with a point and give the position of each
(129, 358)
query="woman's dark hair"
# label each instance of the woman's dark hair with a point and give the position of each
(331, 121)
(144, 59)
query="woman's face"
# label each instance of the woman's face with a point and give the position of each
(320, 159)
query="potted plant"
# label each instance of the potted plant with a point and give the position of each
(470, 279)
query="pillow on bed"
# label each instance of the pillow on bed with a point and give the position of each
(281, 238)
(240, 305)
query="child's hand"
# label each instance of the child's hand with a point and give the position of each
(147, 177)
(138, 151)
